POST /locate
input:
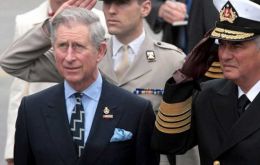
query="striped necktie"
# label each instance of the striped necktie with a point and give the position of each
(77, 124)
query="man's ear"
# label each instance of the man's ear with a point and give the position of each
(102, 49)
(146, 7)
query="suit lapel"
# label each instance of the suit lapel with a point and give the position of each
(248, 122)
(245, 126)
(242, 127)
(139, 67)
(58, 126)
(226, 97)
(102, 129)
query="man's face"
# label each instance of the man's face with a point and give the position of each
(125, 19)
(239, 60)
(76, 57)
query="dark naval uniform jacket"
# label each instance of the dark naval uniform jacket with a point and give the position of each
(210, 120)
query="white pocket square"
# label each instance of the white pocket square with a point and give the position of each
(121, 135)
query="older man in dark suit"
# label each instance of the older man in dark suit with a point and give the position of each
(146, 58)
(84, 120)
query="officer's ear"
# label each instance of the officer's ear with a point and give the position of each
(146, 6)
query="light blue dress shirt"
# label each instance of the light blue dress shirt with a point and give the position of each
(90, 100)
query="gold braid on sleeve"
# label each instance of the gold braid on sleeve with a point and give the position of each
(174, 118)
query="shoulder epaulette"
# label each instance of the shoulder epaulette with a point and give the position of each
(165, 45)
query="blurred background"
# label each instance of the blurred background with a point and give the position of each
(8, 10)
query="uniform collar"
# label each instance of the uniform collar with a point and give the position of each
(252, 93)
(134, 45)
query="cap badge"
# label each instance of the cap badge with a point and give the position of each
(150, 56)
(228, 13)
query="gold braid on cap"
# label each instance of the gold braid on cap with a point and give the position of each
(230, 34)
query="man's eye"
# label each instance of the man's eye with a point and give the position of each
(79, 47)
(237, 45)
(63, 45)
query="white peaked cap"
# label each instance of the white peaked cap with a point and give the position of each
(245, 8)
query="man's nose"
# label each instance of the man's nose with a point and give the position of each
(70, 54)
(224, 52)
(112, 8)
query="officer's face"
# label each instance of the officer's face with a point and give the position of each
(240, 61)
(126, 19)
(76, 57)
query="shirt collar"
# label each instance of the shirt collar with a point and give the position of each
(252, 93)
(93, 91)
(134, 45)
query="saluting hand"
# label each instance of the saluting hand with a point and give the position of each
(200, 58)
(87, 4)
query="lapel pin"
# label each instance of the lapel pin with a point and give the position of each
(107, 114)
(150, 56)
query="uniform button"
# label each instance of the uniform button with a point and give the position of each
(216, 162)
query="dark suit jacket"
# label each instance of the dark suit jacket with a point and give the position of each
(43, 134)
(170, 33)
(202, 18)
(216, 128)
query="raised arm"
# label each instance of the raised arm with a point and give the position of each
(175, 130)
(30, 57)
